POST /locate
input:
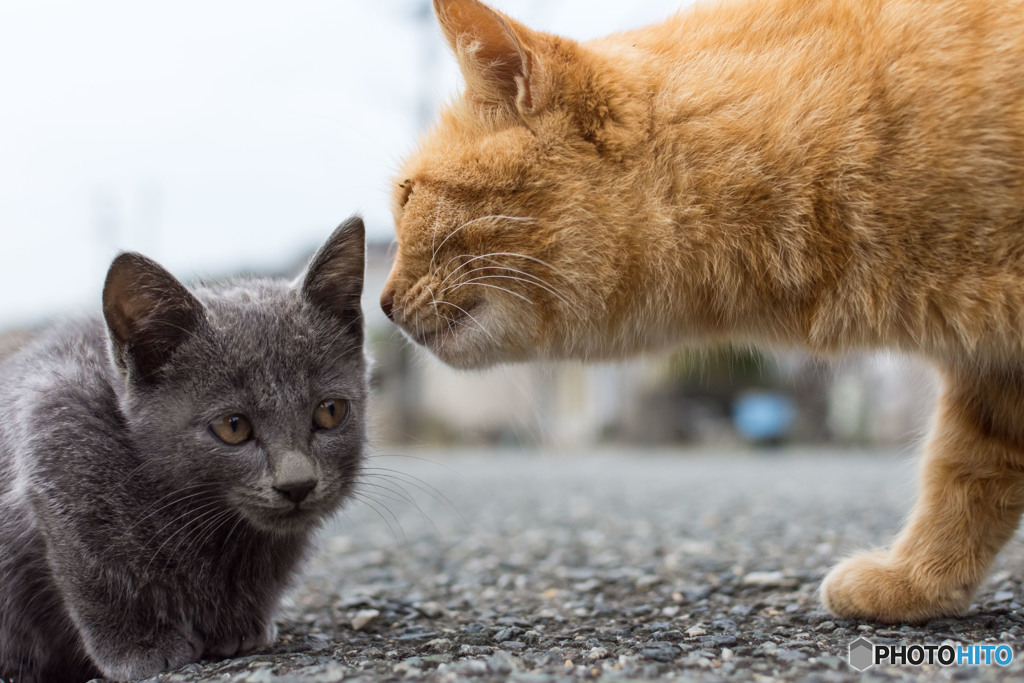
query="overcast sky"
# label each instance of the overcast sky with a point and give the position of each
(211, 135)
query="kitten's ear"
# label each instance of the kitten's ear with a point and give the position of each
(148, 313)
(334, 280)
(497, 55)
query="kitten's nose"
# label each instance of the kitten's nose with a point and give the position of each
(294, 476)
(296, 491)
(387, 302)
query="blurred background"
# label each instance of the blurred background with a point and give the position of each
(227, 137)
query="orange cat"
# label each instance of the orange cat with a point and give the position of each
(829, 174)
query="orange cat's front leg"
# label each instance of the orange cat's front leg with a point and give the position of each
(971, 499)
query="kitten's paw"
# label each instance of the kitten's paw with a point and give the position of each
(872, 586)
(264, 638)
(173, 651)
(261, 636)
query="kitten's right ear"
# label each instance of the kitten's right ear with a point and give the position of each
(498, 57)
(334, 279)
(148, 313)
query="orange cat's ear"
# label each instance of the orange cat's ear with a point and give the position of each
(497, 56)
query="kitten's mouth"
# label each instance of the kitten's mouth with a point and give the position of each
(295, 518)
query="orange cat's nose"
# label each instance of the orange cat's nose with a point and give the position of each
(387, 302)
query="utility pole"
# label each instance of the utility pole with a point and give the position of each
(426, 40)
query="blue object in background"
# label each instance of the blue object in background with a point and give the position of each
(763, 416)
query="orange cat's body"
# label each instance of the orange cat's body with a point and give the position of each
(832, 174)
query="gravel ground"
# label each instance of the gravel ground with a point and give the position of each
(608, 566)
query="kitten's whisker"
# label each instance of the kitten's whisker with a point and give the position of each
(224, 519)
(134, 471)
(189, 539)
(368, 478)
(406, 456)
(227, 538)
(183, 514)
(180, 489)
(402, 496)
(431, 491)
(372, 504)
(385, 493)
(213, 520)
(202, 513)
(176, 501)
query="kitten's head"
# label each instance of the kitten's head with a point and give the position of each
(251, 393)
(511, 213)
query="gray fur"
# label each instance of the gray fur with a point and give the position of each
(132, 540)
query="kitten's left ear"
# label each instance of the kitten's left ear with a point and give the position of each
(148, 313)
(334, 280)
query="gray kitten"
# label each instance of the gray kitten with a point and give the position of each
(162, 470)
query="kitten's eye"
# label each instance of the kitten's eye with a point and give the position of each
(232, 429)
(330, 414)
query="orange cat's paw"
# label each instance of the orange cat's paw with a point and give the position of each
(872, 586)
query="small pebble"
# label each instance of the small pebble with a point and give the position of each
(363, 617)
(431, 610)
(763, 579)
(439, 645)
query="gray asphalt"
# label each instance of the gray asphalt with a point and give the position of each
(609, 565)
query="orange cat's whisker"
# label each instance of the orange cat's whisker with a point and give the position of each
(539, 284)
(475, 220)
(489, 257)
(433, 299)
(527, 257)
(437, 223)
(477, 283)
(469, 260)
(468, 315)
(527, 278)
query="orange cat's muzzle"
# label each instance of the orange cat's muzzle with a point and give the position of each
(387, 301)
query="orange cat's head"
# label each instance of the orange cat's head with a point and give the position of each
(511, 214)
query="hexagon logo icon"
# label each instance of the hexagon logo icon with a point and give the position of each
(862, 654)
